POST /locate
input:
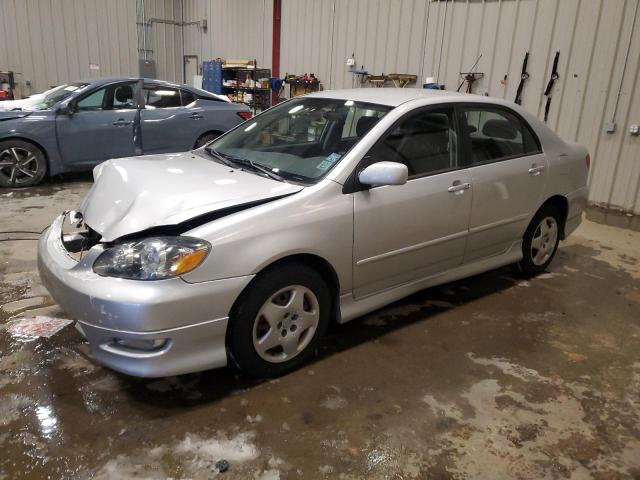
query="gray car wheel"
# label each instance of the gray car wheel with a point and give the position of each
(540, 241)
(277, 322)
(22, 164)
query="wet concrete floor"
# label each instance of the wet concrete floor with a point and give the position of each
(490, 377)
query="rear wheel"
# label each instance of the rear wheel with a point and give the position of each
(206, 138)
(278, 321)
(540, 241)
(22, 164)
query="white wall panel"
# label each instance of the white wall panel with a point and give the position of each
(235, 30)
(48, 42)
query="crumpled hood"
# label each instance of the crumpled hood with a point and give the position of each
(133, 194)
(10, 115)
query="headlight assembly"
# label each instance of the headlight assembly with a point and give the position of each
(154, 258)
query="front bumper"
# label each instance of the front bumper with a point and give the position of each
(187, 320)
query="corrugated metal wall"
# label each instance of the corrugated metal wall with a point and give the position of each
(48, 42)
(235, 30)
(163, 41)
(596, 39)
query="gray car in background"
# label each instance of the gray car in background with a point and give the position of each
(76, 126)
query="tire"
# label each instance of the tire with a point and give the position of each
(206, 138)
(276, 324)
(540, 241)
(22, 164)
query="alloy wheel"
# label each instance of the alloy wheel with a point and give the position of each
(544, 241)
(18, 164)
(286, 324)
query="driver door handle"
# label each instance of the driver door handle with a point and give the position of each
(536, 169)
(121, 122)
(458, 188)
(196, 116)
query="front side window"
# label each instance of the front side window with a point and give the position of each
(301, 139)
(112, 97)
(495, 134)
(161, 97)
(426, 142)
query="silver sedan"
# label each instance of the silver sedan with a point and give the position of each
(319, 210)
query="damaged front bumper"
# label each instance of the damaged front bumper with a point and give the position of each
(141, 328)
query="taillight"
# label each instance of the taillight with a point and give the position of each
(245, 115)
(587, 160)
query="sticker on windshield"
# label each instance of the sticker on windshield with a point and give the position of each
(329, 161)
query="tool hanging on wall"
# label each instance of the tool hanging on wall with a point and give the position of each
(523, 78)
(547, 91)
(470, 76)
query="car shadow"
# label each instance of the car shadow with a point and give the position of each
(209, 386)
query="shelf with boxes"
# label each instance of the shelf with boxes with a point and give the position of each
(240, 80)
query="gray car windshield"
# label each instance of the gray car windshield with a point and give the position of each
(301, 139)
(57, 95)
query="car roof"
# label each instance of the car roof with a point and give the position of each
(97, 82)
(394, 97)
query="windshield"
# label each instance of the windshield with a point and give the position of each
(301, 139)
(53, 96)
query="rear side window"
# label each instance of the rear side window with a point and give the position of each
(187, 97)
(496, 134)
(425, 142)
(161, 97)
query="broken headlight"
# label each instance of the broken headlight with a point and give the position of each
(154, 258)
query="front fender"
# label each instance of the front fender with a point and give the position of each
(39, 129)
(316, 221)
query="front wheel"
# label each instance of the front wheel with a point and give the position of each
(22, 164)
(540, 241)
(277, 323)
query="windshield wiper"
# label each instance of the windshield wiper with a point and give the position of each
(245, 162)
(218, 156)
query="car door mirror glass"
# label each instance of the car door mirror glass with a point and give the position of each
(384, 173)
(66, 108)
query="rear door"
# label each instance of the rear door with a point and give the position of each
(166, 125)
(408, 232)
(508, 172)
(102, 125)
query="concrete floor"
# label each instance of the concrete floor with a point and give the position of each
(491, 377)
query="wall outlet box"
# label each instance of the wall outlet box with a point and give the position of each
(351, 62)
(610, 127)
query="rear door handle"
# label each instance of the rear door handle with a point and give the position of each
(196, 116)
(121, 122)
(536, 170)
(458, 188)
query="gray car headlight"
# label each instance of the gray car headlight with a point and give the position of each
(154, 258)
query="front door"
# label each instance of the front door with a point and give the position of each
(101, 127)
(508, 172)
(408, 232)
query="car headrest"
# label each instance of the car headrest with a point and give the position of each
(124, 94)
(365, 124)
(499, 129)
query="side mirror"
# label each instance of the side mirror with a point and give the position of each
(384, 173)
(66, 109)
